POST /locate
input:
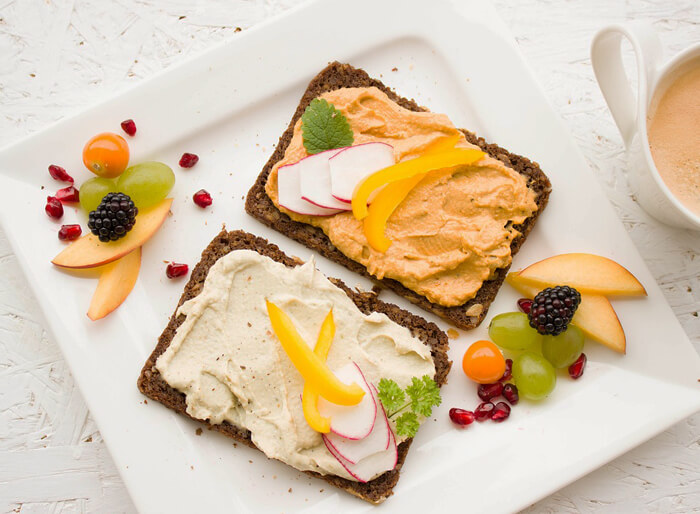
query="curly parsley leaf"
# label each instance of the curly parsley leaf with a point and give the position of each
(323, 127)
(424, 394)
(391, 395)
(407, 424)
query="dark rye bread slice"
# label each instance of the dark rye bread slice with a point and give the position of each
(259, 205)
(152, 384)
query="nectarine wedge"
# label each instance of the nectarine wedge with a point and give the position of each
(89, 251)
(588, 273)
(116, 282)
(595, 315)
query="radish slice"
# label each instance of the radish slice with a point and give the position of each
(354, 421)
(349, 166)
(289, 193)
(315, 181)
(371, 466)
(378, 440)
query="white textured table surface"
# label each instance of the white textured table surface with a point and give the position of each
(59, 56)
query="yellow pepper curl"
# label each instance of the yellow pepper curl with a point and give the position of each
(314, 370)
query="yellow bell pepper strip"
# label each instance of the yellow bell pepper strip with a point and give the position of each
(442, 144)
(314, 371)
(383, 205)
(309, 397)
(408, 169)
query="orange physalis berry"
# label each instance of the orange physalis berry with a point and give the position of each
(483, 362)
(106, 155)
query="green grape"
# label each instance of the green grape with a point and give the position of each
(512, 331)
(94, 190)
(562, 350)
(147, 183)
(534, 375)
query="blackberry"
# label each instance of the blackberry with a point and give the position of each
(553, 308)
(113, 218)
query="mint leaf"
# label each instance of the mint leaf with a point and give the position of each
(323, 127)
(407, 424)
(391, 395)
(424, 394)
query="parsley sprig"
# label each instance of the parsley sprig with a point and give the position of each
(423, 394)
(323, 127)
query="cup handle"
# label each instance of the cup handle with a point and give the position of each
(606, 57)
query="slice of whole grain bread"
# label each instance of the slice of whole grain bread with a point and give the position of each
(154, 386)
(259, 205)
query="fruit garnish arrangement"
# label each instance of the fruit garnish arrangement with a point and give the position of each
(364, 178)
(353, 415)
(125, 206)
(566, 301)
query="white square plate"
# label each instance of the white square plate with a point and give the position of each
(230, 105)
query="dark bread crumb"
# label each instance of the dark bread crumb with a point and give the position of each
(152, 384)
(259, 205)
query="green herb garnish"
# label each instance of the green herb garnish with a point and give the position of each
(323, 127)
(423, 394)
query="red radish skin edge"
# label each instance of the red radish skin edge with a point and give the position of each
(324, 207)
(330, 212)
(315, 180)
(349, 200)
(374, 416)
(386, 425)
(346, 465)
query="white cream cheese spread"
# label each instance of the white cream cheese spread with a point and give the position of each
(227, 361)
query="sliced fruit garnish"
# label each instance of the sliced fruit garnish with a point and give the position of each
(310, 396)
(408, 169)
(587, 273)
(89, 251)
(116, 282)
(314, 371)
(357, 421)
(595, 315)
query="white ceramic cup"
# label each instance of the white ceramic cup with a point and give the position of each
(630, 110)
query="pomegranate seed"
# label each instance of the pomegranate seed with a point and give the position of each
(508, 373)
(488, 391)
(202, 198)
(461, 417)
(188, 160)
(524, 304)
(576, 369)
(176, 269)
(54, 208)
(68, 194)
(483, 411)
(58, 173)
(129, 127)
(69, 232)
(510, 393)
(500, 412)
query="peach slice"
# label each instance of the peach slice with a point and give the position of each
(89, 251)
(595, 315)
(586, 272)
(116, 282)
